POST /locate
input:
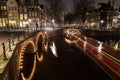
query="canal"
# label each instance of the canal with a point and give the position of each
(63, 61)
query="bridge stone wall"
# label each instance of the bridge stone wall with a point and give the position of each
(12, 71)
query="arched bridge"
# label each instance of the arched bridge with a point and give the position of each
(29, 52)
(25, 57)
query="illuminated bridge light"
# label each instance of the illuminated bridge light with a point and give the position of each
(40, 58)
(46, 47)
(68, 41)
(32, 72)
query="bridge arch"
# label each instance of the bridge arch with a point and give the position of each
(27, 60)
(40, 46)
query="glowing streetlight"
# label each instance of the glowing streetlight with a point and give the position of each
(102, 21)
(86, 21)
(30, 20)
(53, 20)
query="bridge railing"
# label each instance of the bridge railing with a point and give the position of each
(7, 46)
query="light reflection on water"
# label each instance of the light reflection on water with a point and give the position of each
(53, 49)
(113, 43)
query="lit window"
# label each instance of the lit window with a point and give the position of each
(21, 16)
(5, 8)
(3, 21)
(119, 16)
(25, 16)
(10, 14)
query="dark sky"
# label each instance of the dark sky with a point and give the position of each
(69, 3)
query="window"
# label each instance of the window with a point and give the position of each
(20, 9)
(35, 14)
(29, 14)
(119, 16)
(25, 10)
(10, 14)
(5, 8)
(1, 7)
(21, 16)
(3, 21)
(32, 14)
(25, 16)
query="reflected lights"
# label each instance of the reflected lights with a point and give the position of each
(53, 49)
(85, 45)
(100, 47)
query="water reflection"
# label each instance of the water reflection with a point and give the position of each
(113, 43)
(100, 47)
(53, 49)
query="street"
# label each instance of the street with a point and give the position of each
(67, 63)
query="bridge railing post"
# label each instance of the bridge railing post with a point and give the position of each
(4, 52)
(24, 34)
(9, 44)
(13, 40)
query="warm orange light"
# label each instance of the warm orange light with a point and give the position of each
(40, 58)
(32, 73)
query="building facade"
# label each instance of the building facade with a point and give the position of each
(22, 13)
(116, 17)
(29, 13)
(12, 9)
(3, 13)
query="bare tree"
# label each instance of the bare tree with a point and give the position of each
(57, 8)
(81, 7)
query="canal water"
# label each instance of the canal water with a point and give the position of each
(63, 61)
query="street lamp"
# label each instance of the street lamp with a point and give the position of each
(102, 21)
(53, 20)
(86, 23)
(30, 20)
